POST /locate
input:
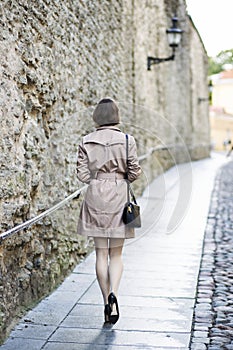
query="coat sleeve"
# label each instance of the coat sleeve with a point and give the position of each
(134, 169)
(83, 171)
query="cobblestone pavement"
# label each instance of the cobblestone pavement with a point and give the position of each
(213, 316)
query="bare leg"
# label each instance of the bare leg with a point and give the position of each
(115, 264)
(102, 272)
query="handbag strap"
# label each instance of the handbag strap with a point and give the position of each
(127, 166)
(129, 189)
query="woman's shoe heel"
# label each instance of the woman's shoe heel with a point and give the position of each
(107, 313)
(112, 301)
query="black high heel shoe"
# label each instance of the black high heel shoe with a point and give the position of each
(112, 301)
(107, 313)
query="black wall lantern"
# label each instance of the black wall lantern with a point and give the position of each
(174, 37)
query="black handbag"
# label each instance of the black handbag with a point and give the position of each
(131, 213)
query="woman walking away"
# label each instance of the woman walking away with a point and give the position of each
(102, 165)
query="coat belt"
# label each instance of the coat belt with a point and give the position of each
(109, 176)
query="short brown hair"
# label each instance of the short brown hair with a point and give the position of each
(106, 112)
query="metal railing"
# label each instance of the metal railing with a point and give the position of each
(47, 212)
(76, 194)
(152, 150)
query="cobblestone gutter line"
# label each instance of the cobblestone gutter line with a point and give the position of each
(213, 312)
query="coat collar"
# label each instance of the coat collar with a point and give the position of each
(110, 127)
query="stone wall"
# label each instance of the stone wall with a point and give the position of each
(58, 58)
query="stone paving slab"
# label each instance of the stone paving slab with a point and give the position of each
(53, 309)
(158, 288)
(33, 331)
(155, 324)
(163, 289)
(60, 346)
(140, 302)
(116, 337)
(23, 344)
(87, 266)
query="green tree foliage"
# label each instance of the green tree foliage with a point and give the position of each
(216, 64)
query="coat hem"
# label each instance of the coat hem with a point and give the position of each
(105, 234)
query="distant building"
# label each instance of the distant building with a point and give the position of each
(222, 95)
(221, 111)
(221, 129)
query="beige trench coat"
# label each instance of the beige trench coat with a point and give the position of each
(101, 163)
